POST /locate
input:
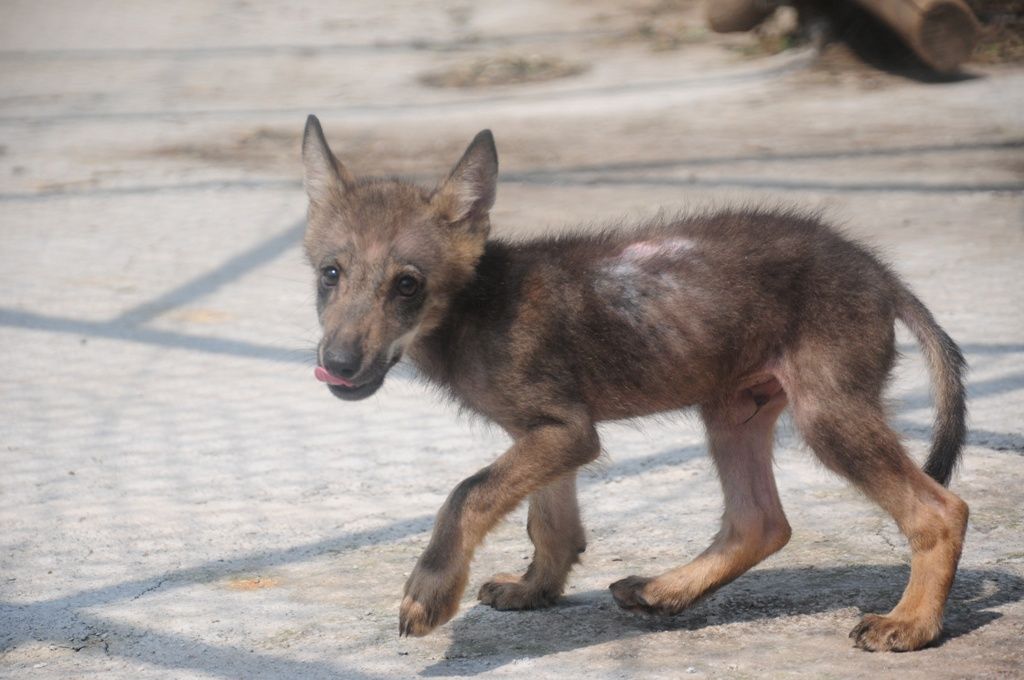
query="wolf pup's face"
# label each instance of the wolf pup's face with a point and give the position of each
(388, 257)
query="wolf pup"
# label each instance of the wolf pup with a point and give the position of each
(739, 314)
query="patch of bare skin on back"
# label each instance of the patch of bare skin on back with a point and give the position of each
(645, 250)
(625, 279)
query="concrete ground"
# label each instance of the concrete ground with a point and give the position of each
(180, 498)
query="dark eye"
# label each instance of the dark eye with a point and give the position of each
(407, 286)
(329, 276)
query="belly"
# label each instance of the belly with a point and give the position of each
(669, 390)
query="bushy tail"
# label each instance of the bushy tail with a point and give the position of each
(947, 367)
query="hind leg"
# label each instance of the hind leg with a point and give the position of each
(554, 526)
(753, 525)
(850, 435)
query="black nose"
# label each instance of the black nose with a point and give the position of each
(343, 363)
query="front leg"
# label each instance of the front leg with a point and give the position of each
(556, 531)
(539, 455)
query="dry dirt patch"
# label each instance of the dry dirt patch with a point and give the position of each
(507, 69)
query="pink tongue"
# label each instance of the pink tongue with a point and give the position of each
(323, 375)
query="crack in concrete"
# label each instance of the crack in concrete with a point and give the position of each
(882, 534)
(150, 589)
(89, 640)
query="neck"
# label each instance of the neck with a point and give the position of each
(447, 351)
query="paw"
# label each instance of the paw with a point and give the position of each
(431, 599)
(640, 594)
(877, 633)
(629, 594)
(507, 591)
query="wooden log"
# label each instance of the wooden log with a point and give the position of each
(941, 32)
(730, 16)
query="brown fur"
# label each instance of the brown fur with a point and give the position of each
(739, 314)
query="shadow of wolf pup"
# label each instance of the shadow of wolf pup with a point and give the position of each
(739, 314)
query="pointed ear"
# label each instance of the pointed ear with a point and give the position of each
(323, 174)
(469, 191)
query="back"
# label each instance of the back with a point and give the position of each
(665, 315)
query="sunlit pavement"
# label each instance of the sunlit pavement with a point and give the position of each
(180, 498)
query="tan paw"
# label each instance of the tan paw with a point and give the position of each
(431, 599)
(877, 633)
(641, 594)
(507, 591)
(629, 595)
